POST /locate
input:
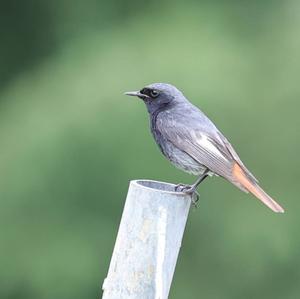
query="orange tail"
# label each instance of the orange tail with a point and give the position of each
(241, 177)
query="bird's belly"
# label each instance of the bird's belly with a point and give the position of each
(180, 159)
(176, 156)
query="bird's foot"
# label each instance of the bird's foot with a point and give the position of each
(189, 190)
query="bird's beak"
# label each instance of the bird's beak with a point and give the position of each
(136, 94)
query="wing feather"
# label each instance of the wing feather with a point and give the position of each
(198, 137)
(205, 146)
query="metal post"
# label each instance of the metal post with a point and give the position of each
(148, 242)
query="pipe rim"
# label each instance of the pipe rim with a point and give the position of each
(145, 184)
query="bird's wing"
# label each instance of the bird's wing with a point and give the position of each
(201, 140)
(236, 157)
(195, 142)
(197, 136)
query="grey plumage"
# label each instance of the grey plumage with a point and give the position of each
(189, 139)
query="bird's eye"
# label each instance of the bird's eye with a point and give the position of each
(154, 93)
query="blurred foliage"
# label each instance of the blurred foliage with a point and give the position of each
(70, 141)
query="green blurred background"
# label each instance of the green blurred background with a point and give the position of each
(70, 140)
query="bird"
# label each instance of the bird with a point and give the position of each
(191, 141)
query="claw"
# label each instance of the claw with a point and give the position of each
(182, 187)
(189, 190)
(195, 199)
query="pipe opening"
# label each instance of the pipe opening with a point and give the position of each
(159, 186)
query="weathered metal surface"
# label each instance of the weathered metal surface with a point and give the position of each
(148, 242)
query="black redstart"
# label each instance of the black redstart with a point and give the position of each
(189, 139)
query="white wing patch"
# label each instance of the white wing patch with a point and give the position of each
(204, 142)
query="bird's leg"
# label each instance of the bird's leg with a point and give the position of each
(199, 181)
(191, 189)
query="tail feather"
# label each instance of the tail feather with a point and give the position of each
(240, 176)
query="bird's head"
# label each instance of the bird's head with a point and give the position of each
(158, 95)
